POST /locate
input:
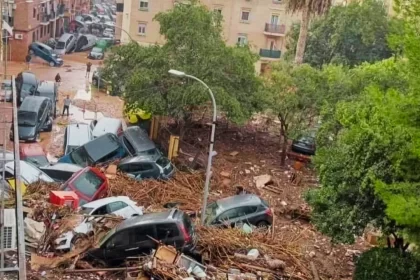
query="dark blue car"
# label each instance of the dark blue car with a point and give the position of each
(46, 53)
(102, 149)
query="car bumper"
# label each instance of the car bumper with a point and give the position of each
(64, 242)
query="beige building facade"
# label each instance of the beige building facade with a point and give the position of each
(262, 24)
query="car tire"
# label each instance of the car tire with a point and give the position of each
(262, 224)
(31, 52)
(49, 128)
(38, 137)
(52, 64)
(77, 239)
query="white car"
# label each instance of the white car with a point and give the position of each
(121, 206)
(28, 172)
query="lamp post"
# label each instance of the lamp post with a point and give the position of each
(213, 129)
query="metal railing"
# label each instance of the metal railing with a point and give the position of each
(275, 28)
(270, 53)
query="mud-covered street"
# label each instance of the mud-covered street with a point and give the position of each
(77, 86)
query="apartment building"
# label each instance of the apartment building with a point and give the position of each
(262, 24)
(37, 20)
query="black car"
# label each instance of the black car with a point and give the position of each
(131, 237)
(49, 89)
(304, 145)
(26, 84)
(147, 167)
(244, 208)
(60, 172)
(137, 142)
(33, 117)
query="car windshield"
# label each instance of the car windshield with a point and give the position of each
(151, 152)
(86, 210)
(27, 87)
(81, 157)
(38, 160)
(97, 50)
(163, 161)
(211, 213)
(26, 118)
(306, 140)
(88, 183)
(60, 45)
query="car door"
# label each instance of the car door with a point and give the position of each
(148, 170)
(228, 218)
(118, 247)
(248, 214)
(140, 241)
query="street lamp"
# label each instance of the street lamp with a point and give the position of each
(213, 129)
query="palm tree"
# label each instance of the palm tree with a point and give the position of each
(308, 8)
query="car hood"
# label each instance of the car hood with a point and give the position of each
(27, 131)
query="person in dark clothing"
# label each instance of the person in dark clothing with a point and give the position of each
(58, 78)
(66, 107)
(88, 66)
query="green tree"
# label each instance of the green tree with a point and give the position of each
(290, 93)
(308, 8)
(348, 35)
(194, 44)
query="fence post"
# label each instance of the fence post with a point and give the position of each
(154, 128)
(173, 147)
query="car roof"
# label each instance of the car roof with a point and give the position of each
(63, 166)
(151, 218)
(238, 200)
(46, 86)
(78, 134)
(31, 149)
(101, 202)
(32, 103)
(95, 148)
(29, 77)
(43, 45)
(106, 125)
(139, 139)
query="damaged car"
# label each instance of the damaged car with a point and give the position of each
(121, 206)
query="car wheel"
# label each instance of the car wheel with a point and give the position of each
(52, 64)
(77, 239)
(49, 128)
(38, 137)
(95, 82)
(262, 224)
(31, 52)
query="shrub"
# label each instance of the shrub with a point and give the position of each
(387, 264)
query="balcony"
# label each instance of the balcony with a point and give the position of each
(52, 16)
(275, 29)
(266, 53)
(45, 19)
(60, 9)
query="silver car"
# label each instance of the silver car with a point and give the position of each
(6, 91)
(65, 44)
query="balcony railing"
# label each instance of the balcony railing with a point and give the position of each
(270, 53)
(275, 28)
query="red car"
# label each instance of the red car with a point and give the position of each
(33, 153)
(89, 184)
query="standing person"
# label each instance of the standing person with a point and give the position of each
(88, 65)
(28, 61)
(58, 79)
(66, 106)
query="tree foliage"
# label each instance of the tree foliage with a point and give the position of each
(348, 35)
(386, 264)
(194, 45)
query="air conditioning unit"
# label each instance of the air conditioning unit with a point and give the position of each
(19, 36)
(9, 240)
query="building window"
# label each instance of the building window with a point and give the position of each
(242, 39)
(120, 7)
(34, 13)
(42, 31)
(144, 5)
(48, 28)
(218, 10)
(142, 29)
(245, 15)
(33, 36)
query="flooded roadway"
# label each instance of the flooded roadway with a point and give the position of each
(73, 83)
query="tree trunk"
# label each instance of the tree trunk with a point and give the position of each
(283, 145)
(303, 35)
